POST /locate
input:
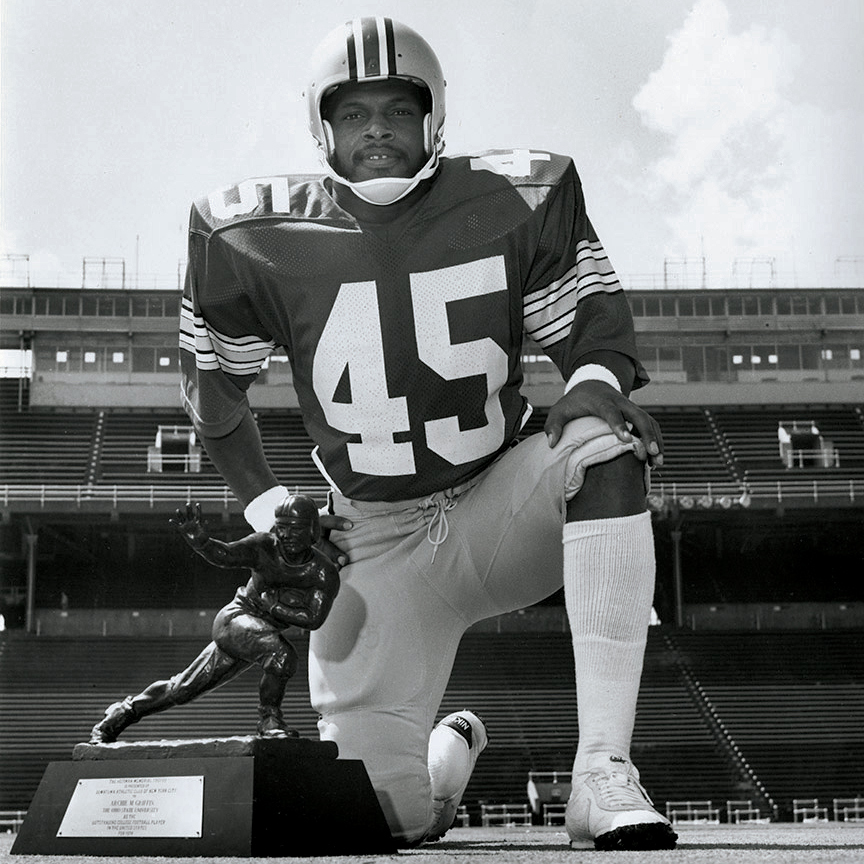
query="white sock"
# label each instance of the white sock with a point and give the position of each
(609, 570)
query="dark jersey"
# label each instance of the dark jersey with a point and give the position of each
(405, 340)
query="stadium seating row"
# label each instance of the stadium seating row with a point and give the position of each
(729, 448)
(803, 737)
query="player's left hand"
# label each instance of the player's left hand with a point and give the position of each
(626, 419)
(330, 522)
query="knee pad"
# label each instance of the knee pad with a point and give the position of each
(589, 441)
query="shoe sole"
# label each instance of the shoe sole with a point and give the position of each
(646, 837)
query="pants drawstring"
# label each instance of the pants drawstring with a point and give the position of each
(438, 523)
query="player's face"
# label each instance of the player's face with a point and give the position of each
(377, 130)
(294, 535)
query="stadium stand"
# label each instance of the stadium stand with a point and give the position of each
(752, 438)
(54, 689)
(46, 448)
(792, 702)
(756, 720)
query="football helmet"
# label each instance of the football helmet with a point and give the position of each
(375, 49)
(299, 508)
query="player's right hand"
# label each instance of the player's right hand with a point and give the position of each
(190, 523)
(330, 522)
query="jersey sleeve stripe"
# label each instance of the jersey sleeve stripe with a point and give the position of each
(236, 355)
(548, 312)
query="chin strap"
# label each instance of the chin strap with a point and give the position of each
(383, 190)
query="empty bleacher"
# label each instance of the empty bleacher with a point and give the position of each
(125, 441)
(54, 689)
(722, 449)
(793, 703)
(288, 448)
(751, 434)
(45, 448)
(692, 452)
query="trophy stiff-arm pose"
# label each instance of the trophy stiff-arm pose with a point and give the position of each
(293, 584)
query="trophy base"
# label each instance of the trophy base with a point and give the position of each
(240, 796)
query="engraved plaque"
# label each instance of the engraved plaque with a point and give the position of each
(135, 807)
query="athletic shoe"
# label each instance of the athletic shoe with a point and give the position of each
(454, 745)
(608, 809)
(271, 724)
(117, 717)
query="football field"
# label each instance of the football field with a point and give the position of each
(824, 843)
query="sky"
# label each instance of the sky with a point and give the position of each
(721, 136)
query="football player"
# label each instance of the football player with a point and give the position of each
(402, 285)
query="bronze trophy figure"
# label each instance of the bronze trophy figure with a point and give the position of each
(292, 584)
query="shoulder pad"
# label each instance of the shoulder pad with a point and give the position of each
(258, 197)
(523, 166)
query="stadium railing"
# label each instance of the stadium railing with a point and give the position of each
(740, 812)
(697, 812)
(505, 814)
(849, 809)
(808, 810)
(553, 814)
(11, 820)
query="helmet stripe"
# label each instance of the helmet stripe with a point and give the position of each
(370, 62)
(371, 48)
(352, 53)
(391, 46)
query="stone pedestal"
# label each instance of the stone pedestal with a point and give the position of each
(242, 796)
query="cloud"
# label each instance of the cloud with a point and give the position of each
(746, 173)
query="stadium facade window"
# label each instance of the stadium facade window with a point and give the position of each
(55, 304)
(855, 357)
(139, 307)
(811, 356)
(702, 306)
(118, 357)
(669, 359)
(693, 362)
(105, 307)
(143, 358)
(652, 307)
(717, 366)
(788, 357)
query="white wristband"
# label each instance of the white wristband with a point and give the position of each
(593, 372)
(260, 512)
